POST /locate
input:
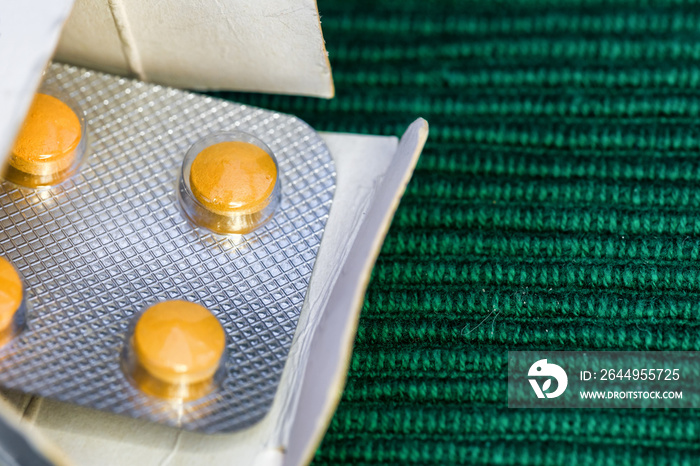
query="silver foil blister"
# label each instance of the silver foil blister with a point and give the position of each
(110, 241)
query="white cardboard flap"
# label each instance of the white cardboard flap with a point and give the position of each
(29, 30)
(271, 46)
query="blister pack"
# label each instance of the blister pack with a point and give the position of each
(118, 236)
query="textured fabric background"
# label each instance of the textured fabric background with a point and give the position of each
(556, 206)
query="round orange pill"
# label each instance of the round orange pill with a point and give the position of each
(233, 177)
(46, 146)
(10, 295)
(179, 342)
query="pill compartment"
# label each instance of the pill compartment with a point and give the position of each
(52, 141)
(230, 183)
(13, 302)
(175, 350)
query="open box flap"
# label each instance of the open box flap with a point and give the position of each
(29, 31)
(273, 46)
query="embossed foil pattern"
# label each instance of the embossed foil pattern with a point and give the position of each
(110, 241)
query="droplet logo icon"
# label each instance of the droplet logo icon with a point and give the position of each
(541, 369)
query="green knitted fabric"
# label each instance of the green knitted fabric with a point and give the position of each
(556, 206)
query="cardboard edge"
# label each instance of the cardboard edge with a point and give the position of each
(326, 373)
(330, 93)
(24, 443)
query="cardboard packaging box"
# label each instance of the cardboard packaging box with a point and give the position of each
(269, 46)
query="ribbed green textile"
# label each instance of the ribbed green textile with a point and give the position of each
(556, 206)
